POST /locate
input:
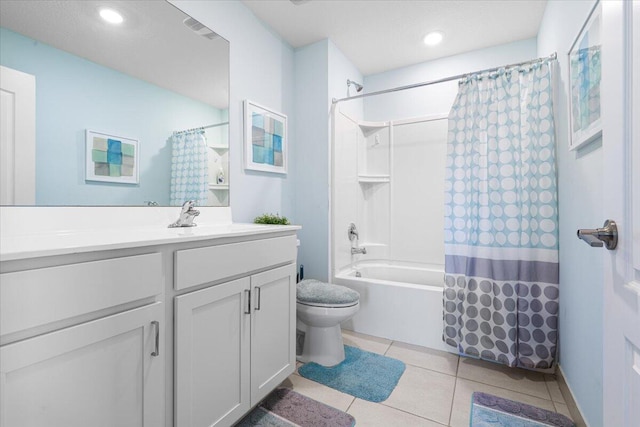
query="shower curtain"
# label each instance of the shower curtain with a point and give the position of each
(189, 168)
(501, 228)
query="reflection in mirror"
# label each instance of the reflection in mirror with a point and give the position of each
(127, 114)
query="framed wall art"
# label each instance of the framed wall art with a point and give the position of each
(265, 139)
(111, 158)
(584, 82)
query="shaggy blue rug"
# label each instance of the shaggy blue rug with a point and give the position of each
(492, 411)
(362, 374)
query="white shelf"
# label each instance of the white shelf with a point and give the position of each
(373, 179)
(219, 147)
(370, 127)
(218, 186)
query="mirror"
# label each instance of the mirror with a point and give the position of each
(127, 114)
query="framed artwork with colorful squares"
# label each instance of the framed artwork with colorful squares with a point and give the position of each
(111, 158)
(265, 139)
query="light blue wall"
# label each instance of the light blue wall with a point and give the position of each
(312, 177)
(341, 69)
(438, 98)
(580, 191)
(262, 70)
(321, 73)
(72, 95)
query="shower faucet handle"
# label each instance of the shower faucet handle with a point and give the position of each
(352, 232)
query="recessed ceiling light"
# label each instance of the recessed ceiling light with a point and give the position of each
(433, 38)
(111, 16)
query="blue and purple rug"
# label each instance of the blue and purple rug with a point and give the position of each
(492, 411)
(286, 408)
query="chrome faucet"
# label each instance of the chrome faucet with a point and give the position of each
(187, 214)
(352, 232)
(359, 250)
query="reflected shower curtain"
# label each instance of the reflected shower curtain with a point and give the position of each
(501, 228)
(189, 168)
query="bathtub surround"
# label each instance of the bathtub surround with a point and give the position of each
(501, 234)
(189, 168)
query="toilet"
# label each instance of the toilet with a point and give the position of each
(321, 307)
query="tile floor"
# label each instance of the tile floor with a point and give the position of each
(435, 389)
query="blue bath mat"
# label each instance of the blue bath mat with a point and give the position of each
(492, 411)
(362, 374)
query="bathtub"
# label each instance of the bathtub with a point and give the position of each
(398, 302)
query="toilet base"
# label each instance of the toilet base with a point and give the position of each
(323, 346)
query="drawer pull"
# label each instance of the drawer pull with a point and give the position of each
(247, 309)
(156, 325)
(258, 293)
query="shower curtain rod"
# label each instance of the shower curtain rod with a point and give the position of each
(553, 56)
(200, 128)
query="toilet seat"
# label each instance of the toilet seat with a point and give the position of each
(318, 304)
(315, 293)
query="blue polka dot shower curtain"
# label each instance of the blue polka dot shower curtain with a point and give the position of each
(189, 168)
(501, 219)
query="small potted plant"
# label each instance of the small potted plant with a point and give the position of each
(271, 219)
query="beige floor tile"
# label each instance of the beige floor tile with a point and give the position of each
(462, 400)
(515, 379)
(425, 393)
(368, 414)
(554, 391)
(365, 342)
(319, 392)
(424, 357)
(563, 409)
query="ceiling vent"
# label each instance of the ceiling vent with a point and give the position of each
(198, 28)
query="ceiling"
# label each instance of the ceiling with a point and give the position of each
(151, 44)
(381, 35)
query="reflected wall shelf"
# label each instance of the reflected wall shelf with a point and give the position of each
(219, 147)
(373, 179)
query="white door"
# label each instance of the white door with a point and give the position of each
(273, 325)
(621, 142)
(17, 137)
(99, 373)
(212, 355)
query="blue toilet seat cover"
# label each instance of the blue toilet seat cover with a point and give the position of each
(311, 291)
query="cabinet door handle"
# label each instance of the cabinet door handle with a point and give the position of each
(247, 299)
(156, 325)
(258, 293)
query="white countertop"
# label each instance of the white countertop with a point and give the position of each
(15, 247)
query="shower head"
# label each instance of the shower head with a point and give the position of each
(358, 86)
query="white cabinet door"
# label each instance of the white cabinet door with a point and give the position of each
(99, 373)
(272, 329)
(212, 355)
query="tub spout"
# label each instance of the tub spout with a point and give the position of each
(359, 250)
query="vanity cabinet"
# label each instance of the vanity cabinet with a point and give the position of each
(192, 330)
(234, 341)
(99, 373)
(80, 344)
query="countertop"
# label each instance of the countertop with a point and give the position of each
(69, 242)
